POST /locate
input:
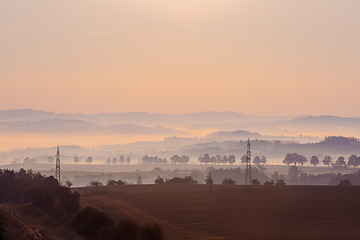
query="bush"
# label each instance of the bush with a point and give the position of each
(90, 220)
(267, 183)
(255, 182)
(179, 180)
(68, 199)
(159, 180)
(280, 182)
(95, 184)
(228, 181)
(152, 232)
(344, 183)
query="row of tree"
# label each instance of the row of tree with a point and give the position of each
(121, 160)
(218, 159)
(182, 160)
(257, 160)
(153, 160)
(294, 158)
(44, 192)
(176, 180)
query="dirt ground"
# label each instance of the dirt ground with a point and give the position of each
(235, 212)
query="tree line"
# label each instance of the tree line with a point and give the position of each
(218, 159)
(298, 159)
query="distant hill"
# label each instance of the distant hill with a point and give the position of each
(48, 126)
(325, 121)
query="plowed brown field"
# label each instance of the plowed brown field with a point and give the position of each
(235, 212)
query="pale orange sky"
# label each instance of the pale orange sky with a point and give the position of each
(179, 56)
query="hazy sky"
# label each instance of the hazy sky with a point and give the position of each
(266, 57)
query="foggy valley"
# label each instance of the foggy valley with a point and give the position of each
(179, 120)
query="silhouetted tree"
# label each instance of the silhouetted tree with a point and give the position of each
(354, 161)
(204, 159)
(89, 160)
(179, 180)
(76, 159)
(243, 159)
(121, 159)
(90, 220)
(340, 162)
(314, 160)
(128, 160)
(159, 180)
(114, 160)
(175, 159)
(209, 180)
(68, 184)
(108, 161)
(153, 160)
(280, 182)
(139, 180)
(111, 182)
(256, 160)
(263, 160)
(231, 159)
(327, 160)
(294, 158)
(228, 181)
(344, 183)
(95, 184)
(255, 182)
(267, 183)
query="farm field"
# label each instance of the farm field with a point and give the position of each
(235, 212)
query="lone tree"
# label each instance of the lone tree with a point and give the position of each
(139, 180)
(76, 159)
(314, 160)
(327, 160)
(128, 160)
(89, 160)
(114, 161)
(108, 161)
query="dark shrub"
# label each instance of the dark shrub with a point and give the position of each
(127, 230)
(344, 183)
(228, 181)
(90, 220)
(152, 232)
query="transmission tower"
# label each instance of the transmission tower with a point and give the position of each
(248, 165)
(57, 169)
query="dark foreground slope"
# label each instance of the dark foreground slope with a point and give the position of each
(235, 212)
